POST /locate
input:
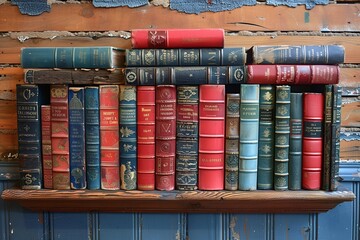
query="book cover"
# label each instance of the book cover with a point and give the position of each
(266, 137)
(327, 138)
(77, 137)
(282, 137)
(146, 137)
(104, 57)
(109, 137)
(249, 136)
(128, 137)
(178, 38)
(60, 136)
(232, 135)
(92, 137)
(211, 137)
(46, 146)
(165, 137)
(187, 137)
(313, 117)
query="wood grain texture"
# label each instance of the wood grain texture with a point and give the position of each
(350, 112)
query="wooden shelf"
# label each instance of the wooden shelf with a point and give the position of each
(178, 201)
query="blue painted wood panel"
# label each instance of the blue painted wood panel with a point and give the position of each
(293, 226)
(206, 226)
(249, 226)
(109, 225)
(160, 226)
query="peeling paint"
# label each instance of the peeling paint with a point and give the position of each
(235, 235)
(119, 3)
(164, 3)
(33, 8)
(309, 4)
(3, 1)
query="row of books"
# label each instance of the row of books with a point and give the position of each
(186, 137)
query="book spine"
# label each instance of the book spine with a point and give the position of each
(46, 146)
(92, 137)
(187, 137)
(29, 139)
(60, 136)
(109, 137)
(146, 137)
(313, 117)
(327, 138)
(335, 148)
(292, 74)
(232, 135)
(177, 38)
(211, 137)
(313, 54)
(266, 137)
(282, 137)
(128, 138)
(165, 137)
(295, 144)
(77, 138)
(249, 136)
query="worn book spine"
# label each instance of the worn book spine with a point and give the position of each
(146, 137)
(77, 137)
(165, 137)
(298, 54)
(282, 137)
(46, 146)
(295, 144)
(60, 136)
(187, 137)
(266, 137)
(92, 137)
(232, 134)
(249, 136)
(327, 137)
(211, 137)
(128, 138)
(178, 38)
(109, 137)
(313, 117)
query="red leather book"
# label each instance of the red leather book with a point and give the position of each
(165, 137)
(177, 38)
(146, 137)
(46, 146)
(313, 116)
(109, 136)
(60, 136)
(211, 137)
(293, 74)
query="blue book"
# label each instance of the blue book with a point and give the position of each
(128, 137)
(92, 137)
(77, 137)
(29, 100)
(249, 136)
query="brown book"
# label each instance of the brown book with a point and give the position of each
(46, 146)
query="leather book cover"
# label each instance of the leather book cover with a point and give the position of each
(46, 146)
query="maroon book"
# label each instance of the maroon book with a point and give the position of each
(146, 137)
(211, 137)
(313, 116)
(46, 146)
(165, 137)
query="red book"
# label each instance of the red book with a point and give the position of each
(177, 38)
(109, 137)
(293, 74)
(211, 137)
(60, 136)
(46, 146)
(165, 137)
(313, 116)
(146, 137)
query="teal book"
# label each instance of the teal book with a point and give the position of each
(102, 57)
(249, 136)
(295, 144)
(282, 137)
(128, 137)
(266, 137)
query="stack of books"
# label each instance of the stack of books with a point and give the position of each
(180, 111)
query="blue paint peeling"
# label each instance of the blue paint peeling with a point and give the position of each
(309, 4)
(33, 8)
(350, 136)
(198, 6)
(119, 3)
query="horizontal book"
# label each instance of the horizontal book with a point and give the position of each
(297, 54)
(178, 38)
(72, 57)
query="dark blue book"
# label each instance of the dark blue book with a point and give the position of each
(77, 138)
(128, 137)
(29, 100)
(92, 137)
